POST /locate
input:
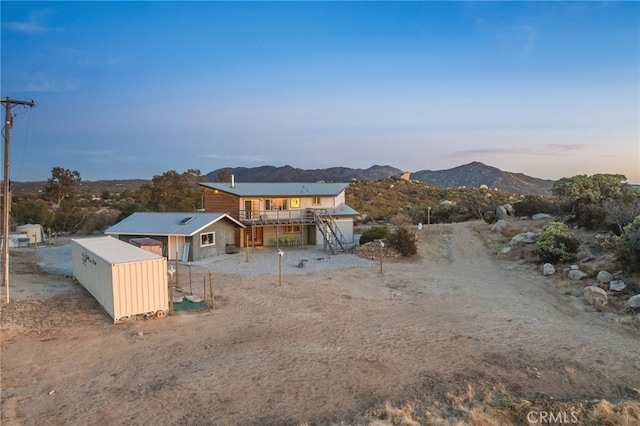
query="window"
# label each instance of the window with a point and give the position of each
(276, 204)
(295, 203)
(292, 229)
(208, 239)
(316, 201)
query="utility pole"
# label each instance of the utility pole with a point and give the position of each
(6, 210)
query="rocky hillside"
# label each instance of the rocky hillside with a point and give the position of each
(475, 174)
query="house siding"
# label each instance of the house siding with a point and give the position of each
(225, 234)
(215, 201)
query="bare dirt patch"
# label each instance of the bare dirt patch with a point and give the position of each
(456, 333)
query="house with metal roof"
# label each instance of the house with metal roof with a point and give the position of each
(276, 214)
(184, 236)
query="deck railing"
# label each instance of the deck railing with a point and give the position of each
(276, 217)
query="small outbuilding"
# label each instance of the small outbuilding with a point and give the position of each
(33, 231)
(124, 279)
(185, 236)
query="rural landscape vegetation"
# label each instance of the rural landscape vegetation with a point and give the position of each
(589, 224)
(248, 151)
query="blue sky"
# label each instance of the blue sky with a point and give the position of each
(134, 89)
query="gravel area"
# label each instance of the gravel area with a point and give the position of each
(263, 260)
(294, 261)
(56, 260)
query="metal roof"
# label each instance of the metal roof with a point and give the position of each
(160, 223)
(114, 251)
(342, 210)
(280, 189)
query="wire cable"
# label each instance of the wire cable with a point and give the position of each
(24, 148)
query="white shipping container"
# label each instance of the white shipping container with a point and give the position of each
(124, 279)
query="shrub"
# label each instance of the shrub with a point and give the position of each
(591, 216)
(403, 241)
(556, 244)
(628, 246)
(532, 204)
(372, 234)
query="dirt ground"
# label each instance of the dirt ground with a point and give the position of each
(323, 348)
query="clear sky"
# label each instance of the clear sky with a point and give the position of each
(134, 89)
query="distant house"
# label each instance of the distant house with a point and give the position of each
(276, 214)
(189, 236)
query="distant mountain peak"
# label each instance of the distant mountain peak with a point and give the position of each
(476, 174)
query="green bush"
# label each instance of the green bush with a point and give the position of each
(403, 241)
(628, 246)
(556, 244)
(372, 234)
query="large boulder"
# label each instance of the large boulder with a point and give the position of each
(499, 225)
(604, 277)
(576, 274)
(523, 237)
(634, 302)
(595, 295)
(509, 209)
(501, 212)
(548, 269)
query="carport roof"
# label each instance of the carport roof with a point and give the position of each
(160, 223)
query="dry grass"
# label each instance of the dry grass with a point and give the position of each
(509, 231)
(602, 263)
(467, 396)
(400, 416)
(488, 404)
(477, 417)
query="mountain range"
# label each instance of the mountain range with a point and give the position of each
(472, 175)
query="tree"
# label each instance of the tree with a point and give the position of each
(223, 176)
(127, 209)
(61, 185)
(172, 191)
(589, 194)
(69, 217)
(476, 202)
(31, 210)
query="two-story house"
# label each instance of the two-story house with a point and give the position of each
(277, 214)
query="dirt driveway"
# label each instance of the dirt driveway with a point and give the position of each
(323, 347)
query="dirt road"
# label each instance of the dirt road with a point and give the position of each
(323, 347)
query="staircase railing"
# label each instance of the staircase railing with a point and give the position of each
(331, 233)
